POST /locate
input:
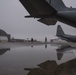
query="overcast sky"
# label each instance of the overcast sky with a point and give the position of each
(13, 22)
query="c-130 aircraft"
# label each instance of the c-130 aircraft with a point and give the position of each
(50, 11)
(60, 33)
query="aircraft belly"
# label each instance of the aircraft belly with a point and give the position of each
(67, 18)
(68, 15)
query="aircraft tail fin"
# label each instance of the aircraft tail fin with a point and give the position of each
(57, 4)
(60, 31)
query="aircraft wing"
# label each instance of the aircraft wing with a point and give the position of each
(48, 21)
(40, 9)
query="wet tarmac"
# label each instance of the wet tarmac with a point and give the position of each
(37, 59)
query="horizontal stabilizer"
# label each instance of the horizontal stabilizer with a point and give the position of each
(38, 7)
(48, 21)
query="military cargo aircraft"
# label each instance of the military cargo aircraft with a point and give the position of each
(60, 33)
(50, 11)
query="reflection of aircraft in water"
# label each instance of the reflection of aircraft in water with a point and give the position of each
(60, 33)
(3, 50)
(50, 11)
(52, 68)
(63, 49)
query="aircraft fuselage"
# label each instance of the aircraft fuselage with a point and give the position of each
(68, 17)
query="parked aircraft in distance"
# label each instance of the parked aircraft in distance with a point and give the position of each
(50, 11)
(60, 33)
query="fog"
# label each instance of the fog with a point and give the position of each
(13, 22)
